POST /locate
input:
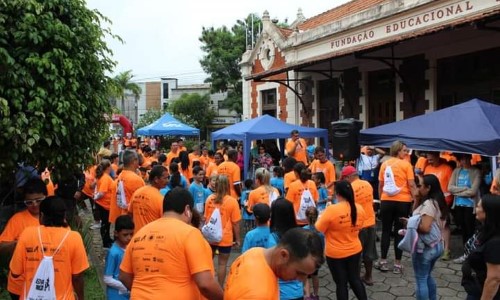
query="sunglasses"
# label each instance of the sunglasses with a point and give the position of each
(32, 202)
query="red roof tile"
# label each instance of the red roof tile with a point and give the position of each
(285, 31)
(337, 13)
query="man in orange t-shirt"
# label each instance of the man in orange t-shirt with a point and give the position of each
(254, 274)
(70, 261)
(363, 195)
(35, 192)
(439, 167)
(131, 183)
(296, 147)
(146, 204)
(173, 153)
(232, 171)
(169, 258)
(323, 165)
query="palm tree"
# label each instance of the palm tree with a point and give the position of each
(122, 83)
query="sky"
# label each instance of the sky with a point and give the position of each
(161, 36)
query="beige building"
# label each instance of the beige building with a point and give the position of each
(378, 61)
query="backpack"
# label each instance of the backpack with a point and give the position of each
(42, 286)
(306, 201)
(272, 197)
(212, 230)
(121, 197)
(390, 187)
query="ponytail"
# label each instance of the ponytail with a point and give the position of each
(344, 189)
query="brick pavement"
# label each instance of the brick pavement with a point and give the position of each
(388, 286)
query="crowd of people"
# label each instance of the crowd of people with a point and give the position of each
(166, 218)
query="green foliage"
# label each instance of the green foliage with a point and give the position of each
(53, 87)
(149, 117)
(195, 110)
(224, 48)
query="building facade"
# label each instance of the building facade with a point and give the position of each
(378, 61)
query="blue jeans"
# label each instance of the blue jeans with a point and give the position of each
(423, 263)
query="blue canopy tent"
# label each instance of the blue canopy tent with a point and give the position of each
(470, 127)
(168, 125)
(262, 128)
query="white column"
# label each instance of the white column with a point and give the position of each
(431, 77)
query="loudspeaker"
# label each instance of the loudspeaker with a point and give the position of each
(345, 142)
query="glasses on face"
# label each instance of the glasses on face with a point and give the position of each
(32, 202)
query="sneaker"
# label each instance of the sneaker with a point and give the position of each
(95, 226)
(446, 255)
(381, 266)
(460, 260)
(398, 269)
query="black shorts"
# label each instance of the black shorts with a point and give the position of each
(222, 249)
(368, 238)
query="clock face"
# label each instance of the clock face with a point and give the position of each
(266, 54)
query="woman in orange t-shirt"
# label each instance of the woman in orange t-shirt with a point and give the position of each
(264, 193)
(231, 216)
(341, 224)
(102, 196)
(298, 188)
(397, 192)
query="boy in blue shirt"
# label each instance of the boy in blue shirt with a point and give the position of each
(278, 181)
(258, 236)
(124, 230)
(319, 179)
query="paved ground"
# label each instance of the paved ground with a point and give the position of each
(387, 285)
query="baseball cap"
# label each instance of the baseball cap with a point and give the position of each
(348, 171)
(262, 212)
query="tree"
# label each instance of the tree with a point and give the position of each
(224, 48)
(195, 110)
(122, 83)
(53, 88)
(149, 117)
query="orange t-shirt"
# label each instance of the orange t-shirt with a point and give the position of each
(12, 232)
(146, 206)
(163, 256)
(289, 178)
(89, 181)
(242, 282)
(403, 171)
(232, 171)
(204, 160)
(211, 169)
(294, 195)
(115, 168)
(363, 195)
(70, 260)
(171, 155)
(327, 168)
(261, 195)
(341, 238)
(421, 163)
(300, 153)
(105, 185)
(131, 183)
(443, 173)
(475, 159)
(448, 156)
(230, 214)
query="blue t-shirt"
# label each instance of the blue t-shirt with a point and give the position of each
(256, 237)
(292, 289)
(112, 268)
(164, 190)
(323, 198)
(183, 183)
(200, 195)
(279, 183)
(463, 180)
(244, 197)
